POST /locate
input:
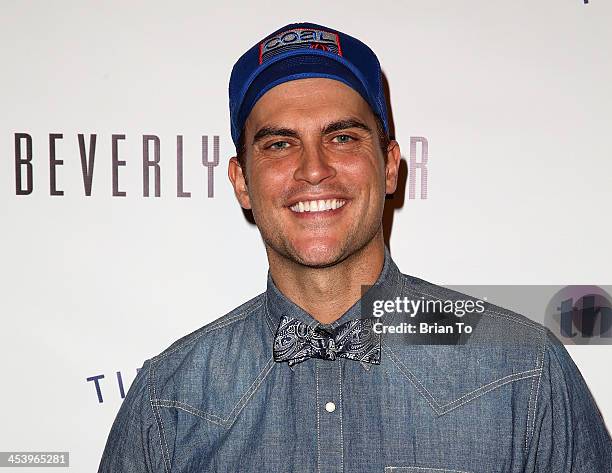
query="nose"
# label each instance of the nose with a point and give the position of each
(314, 165)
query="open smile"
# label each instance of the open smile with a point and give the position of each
(313, 206)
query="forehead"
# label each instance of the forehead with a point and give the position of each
(308, 100)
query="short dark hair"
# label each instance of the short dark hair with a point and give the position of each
(383, 141)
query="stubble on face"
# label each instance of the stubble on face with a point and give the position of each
(307, 140)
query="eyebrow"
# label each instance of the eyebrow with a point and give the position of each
(273, 131)
(344, 124)
(329, 128)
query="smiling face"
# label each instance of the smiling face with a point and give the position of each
(316, 175)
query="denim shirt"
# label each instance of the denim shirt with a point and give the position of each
(216, 401)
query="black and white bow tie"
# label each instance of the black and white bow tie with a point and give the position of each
(295, 341)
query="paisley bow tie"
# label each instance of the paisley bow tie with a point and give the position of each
(295, 341)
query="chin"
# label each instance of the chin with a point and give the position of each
(318, 255)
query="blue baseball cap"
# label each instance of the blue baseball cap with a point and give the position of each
(300, 51)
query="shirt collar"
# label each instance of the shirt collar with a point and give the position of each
(387, 286)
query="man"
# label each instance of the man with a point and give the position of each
(306, 377)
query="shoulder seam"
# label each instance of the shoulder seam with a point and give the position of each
(160, 425)
(230, 319)
(489, 312)
(533, 410)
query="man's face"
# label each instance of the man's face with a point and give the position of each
(312, 144)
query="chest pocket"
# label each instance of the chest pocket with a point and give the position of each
(449, 377)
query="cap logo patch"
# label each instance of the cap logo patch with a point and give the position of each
(299, 38)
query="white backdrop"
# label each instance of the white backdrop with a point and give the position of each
(513, 98)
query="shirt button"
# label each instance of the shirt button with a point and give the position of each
(330, 407)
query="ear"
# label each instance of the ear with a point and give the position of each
(236, 176)
(392, 168)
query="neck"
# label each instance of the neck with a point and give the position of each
(327, 293)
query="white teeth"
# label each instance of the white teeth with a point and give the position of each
(317, 205)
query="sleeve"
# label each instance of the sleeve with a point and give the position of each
(130, 447)
(569, 434)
